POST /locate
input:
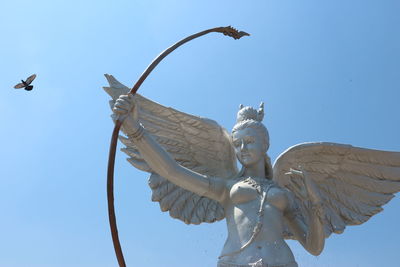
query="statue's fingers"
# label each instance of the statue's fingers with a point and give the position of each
(119, 110)
(127, 101)
(124, 97)
(123, 103)
(129, 98)
(122, 100)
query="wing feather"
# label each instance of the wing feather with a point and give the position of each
(348, 216)
(386, 158)
(163, 190)
(156, 181)
(168, 200)
(140, 164)
(185, 203)
(369, 184)
(131, 152)
(346, 200)
(336, 223)
(179, 205)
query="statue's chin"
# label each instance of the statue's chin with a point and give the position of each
(247, 161)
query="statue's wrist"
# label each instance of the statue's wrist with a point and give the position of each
(136, 133)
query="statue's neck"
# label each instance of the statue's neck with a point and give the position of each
(256, 170)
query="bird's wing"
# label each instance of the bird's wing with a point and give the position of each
(19, 86)
(30, 79)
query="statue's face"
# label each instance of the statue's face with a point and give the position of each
(249, 146)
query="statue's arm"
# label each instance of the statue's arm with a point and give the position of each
(312, 238)
(161, 162)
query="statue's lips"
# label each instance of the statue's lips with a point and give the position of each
(245, 155)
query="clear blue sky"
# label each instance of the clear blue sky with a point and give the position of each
(326, 70)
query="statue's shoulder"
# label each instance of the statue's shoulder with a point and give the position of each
(278, 196)
(276, 189)
(232, 181)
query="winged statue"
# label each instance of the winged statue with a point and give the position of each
(311, 191)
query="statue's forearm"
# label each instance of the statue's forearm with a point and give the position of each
(161, 162)
(312, 238)
(316, 237)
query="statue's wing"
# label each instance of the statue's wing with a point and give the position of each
(353, 182)
(196, 143)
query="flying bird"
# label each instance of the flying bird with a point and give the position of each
(26, 84)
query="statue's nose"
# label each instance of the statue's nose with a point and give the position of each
(243, 145)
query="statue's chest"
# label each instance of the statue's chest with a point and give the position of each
(250, 190)
(242, 192)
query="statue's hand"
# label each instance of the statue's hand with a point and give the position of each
(303, 181)
(124, 106)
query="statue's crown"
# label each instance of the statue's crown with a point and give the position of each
(249, 113)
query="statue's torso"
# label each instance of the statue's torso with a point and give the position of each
(241, 209)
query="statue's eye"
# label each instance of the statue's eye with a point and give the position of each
(250, 140)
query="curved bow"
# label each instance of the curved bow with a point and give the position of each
(229, 31)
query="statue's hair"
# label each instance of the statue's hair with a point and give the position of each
(248, 117)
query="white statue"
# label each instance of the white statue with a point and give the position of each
(311, 191)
